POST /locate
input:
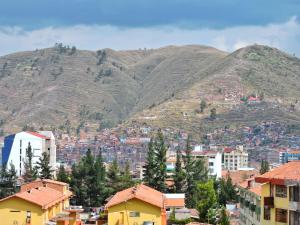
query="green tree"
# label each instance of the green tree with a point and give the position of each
(114, 177)
(97, 185)
(264, 167)
(195, 172)
(62, 175)
(206, 198)
(224, 218)
(213, 113)
(88, 181)
(8, 181)
(179, 175)
(126, 178)
(226, 191)
(78, 184)
(150, 165)
(30, 173)
(161, 159)
(43, 166)
(202, 105)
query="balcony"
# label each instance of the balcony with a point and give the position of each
(269, 202)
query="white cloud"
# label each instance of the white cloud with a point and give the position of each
(284, 36)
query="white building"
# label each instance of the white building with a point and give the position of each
(15, 145)
(235, 159)
(213, 161)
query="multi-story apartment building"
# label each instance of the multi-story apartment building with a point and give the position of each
(234, 159)
(280, 195)
(213, 161)
(250, 201)
(289, 156)
(15, 145)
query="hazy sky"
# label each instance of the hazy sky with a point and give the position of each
(132, 24)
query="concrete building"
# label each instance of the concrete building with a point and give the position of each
(280, 195)
(250, 201)
(213, 161)
(15, 145)
(234, 159)
(289, 156)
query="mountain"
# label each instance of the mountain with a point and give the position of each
(71, 89)
(256, 70)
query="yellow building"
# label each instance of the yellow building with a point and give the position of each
(37, 203)
(137, 205)
(280, 195)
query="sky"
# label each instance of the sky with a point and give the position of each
(133, 24)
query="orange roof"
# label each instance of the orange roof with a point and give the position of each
(141, 192)
(239, 176)
(256, 190)
(285, 174)
(42, 196)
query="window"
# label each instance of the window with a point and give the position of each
(211, 163)
(281, 191)
(281, 215)
(294, 193)
(134, 214)
(267, 214)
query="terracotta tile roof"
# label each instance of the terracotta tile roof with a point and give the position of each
(239, 176)
(141, 192)
(37, 135)
(44, 197)
(256, 190)
(289, 172)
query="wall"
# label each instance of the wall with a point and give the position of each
(147, 213)
(282, 203)
(8, 217)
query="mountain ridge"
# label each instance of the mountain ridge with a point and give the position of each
(69, 89)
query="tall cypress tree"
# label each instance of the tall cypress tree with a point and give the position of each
(99, 192)
(188, 166)
(78, 184)
(113, 175)
(62, 175)
(149, 172)
(264, 167)
(43, 166)
(30, 172)
(195, 171)
(8, 181)
(160, 158)
(126, 178)
(179, 175)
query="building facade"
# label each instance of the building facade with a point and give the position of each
(234, 159)
(250, 202)
(15, 145)
(38, 202)
(212, 160)
(137, 205)
(280, 195)
(289, 156)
